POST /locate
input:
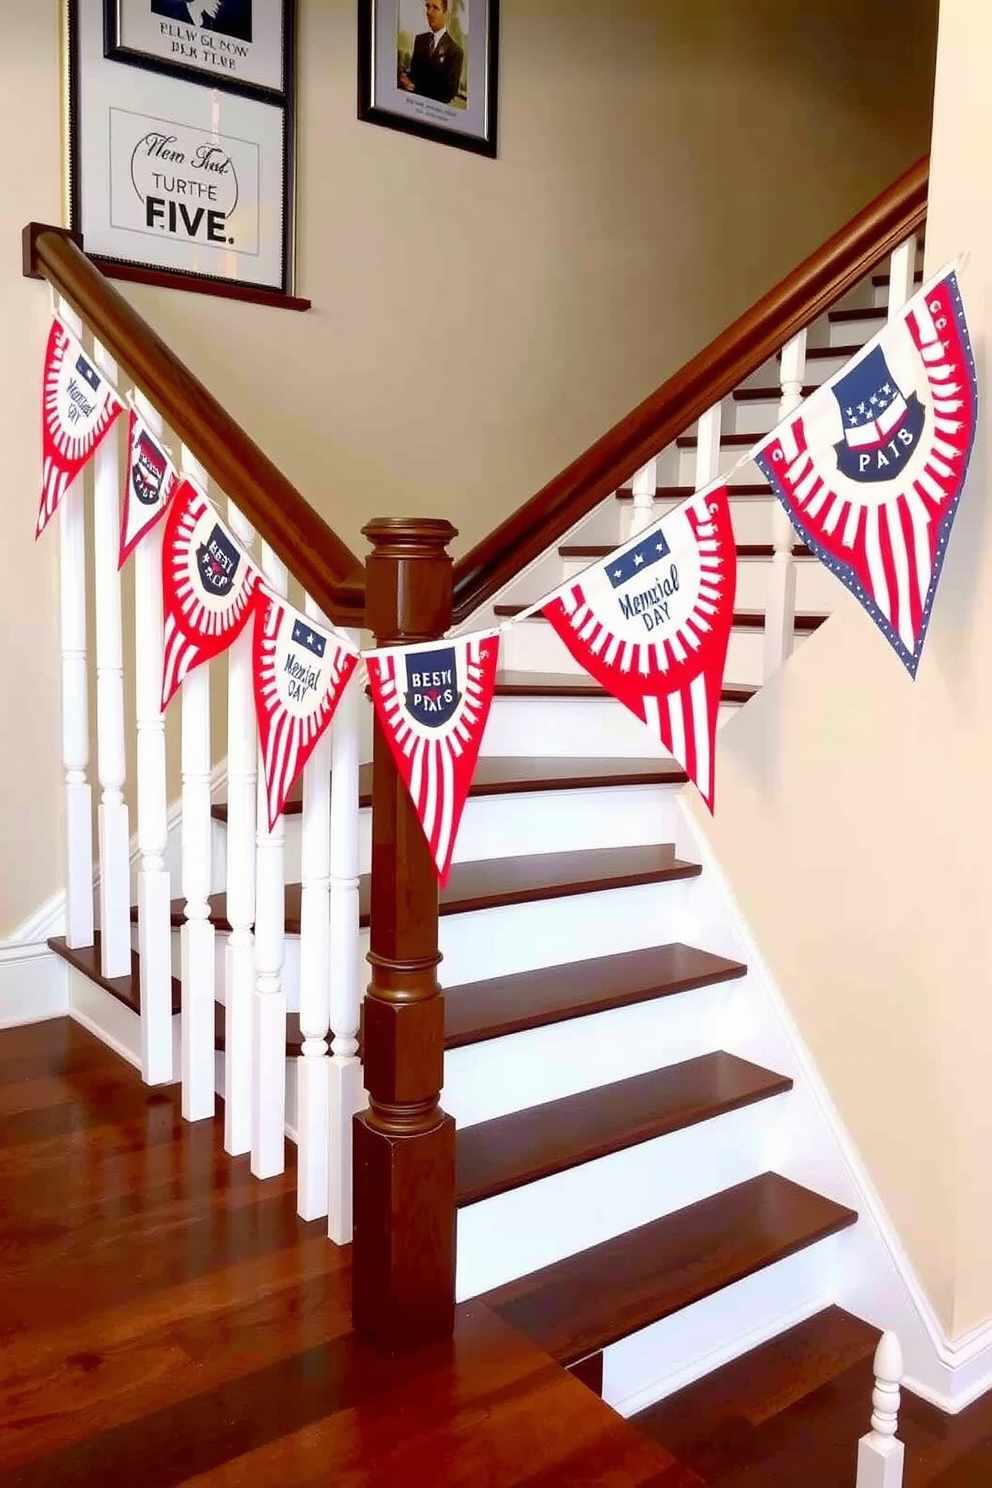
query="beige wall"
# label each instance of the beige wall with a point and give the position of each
(854, 809)
(477, 323)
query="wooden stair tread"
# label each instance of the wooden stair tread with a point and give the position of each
(727, 441)
(590, 1300)
(823, 353)
(592, 551)
(760, 491)
(881, 281)
(523, 880)
(769, 394)
(535, 999)
(873, 312)
(126, 989)
(743, 619)
(505, 776)
(496, 1156)
(580, 684)
(705, 1418)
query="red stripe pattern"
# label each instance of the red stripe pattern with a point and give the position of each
(208, 585)
(886, 540)
(300, 672)
(78, 410)
(437, 762)
(655, 633)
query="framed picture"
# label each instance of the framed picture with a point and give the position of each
(174, 180)
(429, 67)
(241, 45)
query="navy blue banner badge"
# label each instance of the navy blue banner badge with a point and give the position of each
(432, 695)
(304, 635)
(638, 558)
(148, 470)
(881, 426)
(217, 560)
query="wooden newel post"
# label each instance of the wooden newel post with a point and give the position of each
(404, 1173)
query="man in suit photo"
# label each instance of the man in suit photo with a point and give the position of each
(437, 61)
(228, 17)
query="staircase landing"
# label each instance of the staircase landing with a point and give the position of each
(167, 1320)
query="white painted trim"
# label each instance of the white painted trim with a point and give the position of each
(33, 984)
(949, 1373)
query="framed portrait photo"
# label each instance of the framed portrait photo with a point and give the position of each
(173, 180)
(430, 68)
(239, 45)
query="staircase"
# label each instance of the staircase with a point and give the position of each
(630, 1174)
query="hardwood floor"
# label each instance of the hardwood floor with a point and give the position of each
(166, 1319)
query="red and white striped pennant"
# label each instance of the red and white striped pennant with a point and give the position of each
(208, 584)
(871, 467)
(78, 410)
(432, 702)
(300, 670)
(651, 623)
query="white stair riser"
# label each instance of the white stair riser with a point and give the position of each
(292, 1068)
(583, 728)
(110, 1021)
(821, 369)
(854, 332)
(747, 475)
(520, 937)
(534, 1226)
(509, 826)
(482, 1081)
(754, 417)
(500, 941)
(818, 592)
(652, 1364)
(535, 645)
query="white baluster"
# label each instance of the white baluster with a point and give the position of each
(347, 1093)
(242, 758)
(780, 612)
(902, 271)
(268, 1127)
(709, 430)
(75, 704)
(114, 831)
(643, 488)
(154, 889)
(313, 1065)
(880, 1453)
(198, 973)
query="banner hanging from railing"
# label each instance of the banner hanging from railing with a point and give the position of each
(208, 584)
(150, 483)
(79, 408)
(651, 623)
(432, 702)
(300, 669)
(870, 468)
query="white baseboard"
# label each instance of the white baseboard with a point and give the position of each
(34, 984)
(877, 1281)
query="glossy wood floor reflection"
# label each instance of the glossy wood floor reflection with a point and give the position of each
(166, 1319)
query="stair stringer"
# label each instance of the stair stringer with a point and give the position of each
(875, 1278)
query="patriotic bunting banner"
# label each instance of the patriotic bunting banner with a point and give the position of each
(432, 702)
(651, 624)
(870, 469)
(300, 671)
(208, 584)
(151, 481)
(79, 408)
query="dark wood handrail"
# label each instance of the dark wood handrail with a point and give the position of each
(313, 552)
(803, 295)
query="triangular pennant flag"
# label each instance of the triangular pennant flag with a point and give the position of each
(432, 702)
(870, 468)
(78, 409)
(651, 623)
(208, 583)
(150, 483)
(300, 670)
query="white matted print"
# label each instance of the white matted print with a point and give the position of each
(173, 175)
(429, 67)
(230, 43)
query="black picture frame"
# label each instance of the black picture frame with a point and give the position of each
(116, 50)
(276, 289)
(429, 118)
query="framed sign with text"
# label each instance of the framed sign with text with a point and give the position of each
(181, 142)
